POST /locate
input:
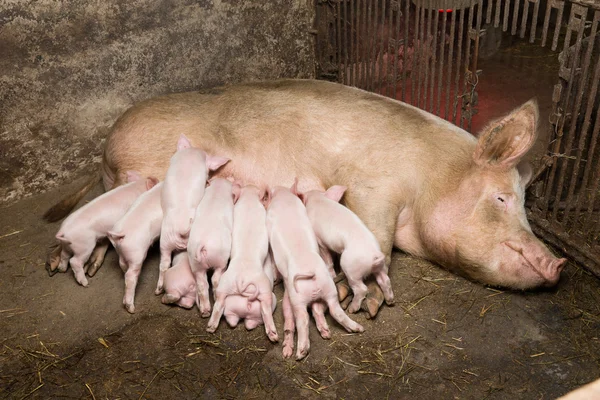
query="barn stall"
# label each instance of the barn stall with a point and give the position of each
(69, 69)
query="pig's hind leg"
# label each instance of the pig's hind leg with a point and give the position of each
(226, 287)
(166, 249)
(202, 299)
(77, 262)
(289, 326)
(131, 279)
(318, 310)
(266, 309)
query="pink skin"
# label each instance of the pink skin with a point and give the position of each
(246, 275)
(338, 229)
(133, 235)
(184, 187)
(238, 307)
(180, 285)
(80, 232)
(306, 277)
(209, 245)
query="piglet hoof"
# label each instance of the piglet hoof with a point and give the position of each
(344, 304)
(301, 353)
(83, 282)
(354, 307)
(325, 333)
(159, 290)
(343, 290)
(211, 329)
(205, 313)
(273, 337)
(288, 351)
(130, 308)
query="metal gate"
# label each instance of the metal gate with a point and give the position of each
(425, 52)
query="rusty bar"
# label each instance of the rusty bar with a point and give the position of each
(468, 58)
(338, 42)
(346, 42)
(549, 6)
(382, 78)
(561, 6)
(404, 46)
(596, 181)
(363, 46)
(474, 64)
(459, 69)
(368, 44)
(488, 17)
(418, 54)
(515, 17)
(505, 15)
(442, 55)
(415, 52)
(591, 100)
(427, 56)
(450, 64)
(435, 30)
(373, 48)
(353, 61)
(497, 13)
(396, 44)
(524, 18)
(536, 11)
(560, 123)
(582, 12)
(389, 34)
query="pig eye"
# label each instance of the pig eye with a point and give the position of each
(500, 199)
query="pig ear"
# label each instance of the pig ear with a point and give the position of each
(151, 182)
(132, 176)
(505, 141)
(235, 191)
(115, 236)
(336, 193)
(183, 143)
(526, 172)
(215, 162)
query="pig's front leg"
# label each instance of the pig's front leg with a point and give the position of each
(289, 326)
(379, 213)
(97, 257)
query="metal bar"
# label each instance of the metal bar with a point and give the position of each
(368, 45)
(346, 44)
(418, 54)
(488, 17)
(382, 78)
(450, 64)
(468, 58)
(596, 181)
(436, 24)
(405, 46)
(497, 13)
(427, 56)
(396, 43)
(474, 75)
(560, 5)
(363, 47)
(338, 42)
(536, 10)
(583, 80)
(390, 30)
(458, 63)
(549, 5)
(373, 50)
(353, 30)
(515, 17)
(524, 18)
(441, 70)
(415, 52)
(505, 15)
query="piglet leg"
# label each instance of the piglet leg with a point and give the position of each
(97, 258)
(360, 291)
(288, 327)
(266, 310)
(318, 310)
(302, 323)
(202, 299)
(165, 263)
(131, 279)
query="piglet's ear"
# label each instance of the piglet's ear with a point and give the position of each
(215, 162)
(504, 142)
(336, 193)
(235, 191)
(183, 143)
(151, 182)
(132, 176)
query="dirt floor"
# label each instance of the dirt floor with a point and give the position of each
(446, 337)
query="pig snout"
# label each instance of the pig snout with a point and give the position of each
(543, 267)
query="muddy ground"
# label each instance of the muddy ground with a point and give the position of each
(446, 337)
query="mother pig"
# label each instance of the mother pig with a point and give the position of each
(418, 182)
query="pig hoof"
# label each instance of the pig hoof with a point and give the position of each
(325, 334)
(301, 353)
(83, 282)
(93, 269)
(130, 308)
(287, 351)
(273, 337)
(51, 271)
(159, 290)
(359, 328)
(211, 329)
(371, 306)
(343, 290)
(347, 300)
(205, 314)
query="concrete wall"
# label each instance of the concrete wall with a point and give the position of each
(69, 68)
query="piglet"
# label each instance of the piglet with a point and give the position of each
(80, 232)
(306, 278)
(184, 186)
(209, 244)
(180, 285)
(338, 229)
(239, 307)
(246, 275)
(133, 235)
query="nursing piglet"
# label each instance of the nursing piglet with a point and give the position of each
(245, 275)
(133, 235)
(80, 232)
(239, 307)
(338, 229)
(180, 285)
(209, 245)
(306, 277)
(184, 186)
